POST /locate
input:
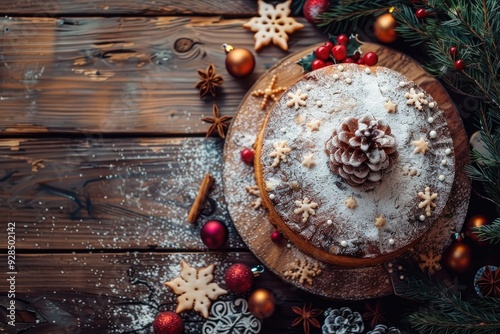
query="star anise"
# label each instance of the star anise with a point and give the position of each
(208, 81)
(374, 314)
(489, 282)
(219, 125)
(306, 317)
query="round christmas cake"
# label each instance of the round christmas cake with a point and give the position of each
(354, 164)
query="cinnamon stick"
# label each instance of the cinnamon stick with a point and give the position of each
(206, 184)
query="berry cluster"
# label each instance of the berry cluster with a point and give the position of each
(341, 49)
(458, 63)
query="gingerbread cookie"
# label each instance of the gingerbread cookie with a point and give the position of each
(273, 25)
(194, 289)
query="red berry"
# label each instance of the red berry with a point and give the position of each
(459, 65)
(421, 13)
(453, 51)
(339, 52)
(329, 45)
(360, 61)
(349, 60)
(276, 236)
(328, 63)
(356, 55)
(343, 39)
(322, 53)
(317, 64)
(247, 155)
(370, 58)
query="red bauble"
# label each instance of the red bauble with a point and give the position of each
(239, 278)
(329, 45)
(343, 39)
(313, 8)
(370, 58)
(214, 234)
(421, 13)
(459, 65)
(476, 221)
(458, 257)
(276, 236)
(339, 52)
(247, 155)
(317, 64)
(168, 323)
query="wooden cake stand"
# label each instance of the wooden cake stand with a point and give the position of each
(254, 226)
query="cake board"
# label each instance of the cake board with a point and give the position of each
(254, 226)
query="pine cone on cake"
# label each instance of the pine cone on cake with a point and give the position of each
(362, 151)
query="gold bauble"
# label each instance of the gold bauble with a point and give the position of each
(261, 303)
(384, 28)
(239, 62)
(458, 257)
(476, 221)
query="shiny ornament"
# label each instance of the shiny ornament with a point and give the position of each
(261, 303)
(239, 62)
(276, 236)
(459, 65)
(458, 257)
(384, 28)
(313, 8)
(214, 234)
(247, 156)
(239, 278)
(168, 323)
(475, 221)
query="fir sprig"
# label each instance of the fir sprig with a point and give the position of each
(445, 310)
(490, 233)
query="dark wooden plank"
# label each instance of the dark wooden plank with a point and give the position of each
(96, 193)
(52, 8)
(121, 74)
(117, 293)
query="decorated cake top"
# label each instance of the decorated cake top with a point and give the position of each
(356, 161)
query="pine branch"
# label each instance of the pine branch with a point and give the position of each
(490, 233)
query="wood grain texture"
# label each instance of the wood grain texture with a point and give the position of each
(255, 227)
(122, 293)
(95, 193)
(122, 75)
(50, 8)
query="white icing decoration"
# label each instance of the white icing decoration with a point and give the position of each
(391, 241)
(308, 160)
(402, 277)
(448, 151)
(340, 68)
(433, 134)
(368, 70)
(288, 245)
(416, 99)
(343, 243)
(390, 106)
(432, 104)
(283, 130)
(335, 76)
(402, 84)
(297, 99)
(306, 207)
(272, 196)
(444, 162)
(428, 199)
(319, 103)
(430, 119)
(348, 80)
(329, 222)
(308, 87)
(279, 153)
(314, 125)
(422, 217)
(441, 177)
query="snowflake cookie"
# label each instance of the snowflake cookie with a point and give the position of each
(297, 99)
(231, 318)
(306, 207)
(194, 289)
(273, 25)
(430, 262)
(304, 270)
(416, 99)
(254, 191)
(427, 202)
(279, 153)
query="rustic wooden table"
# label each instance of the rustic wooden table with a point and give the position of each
(102, 151)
